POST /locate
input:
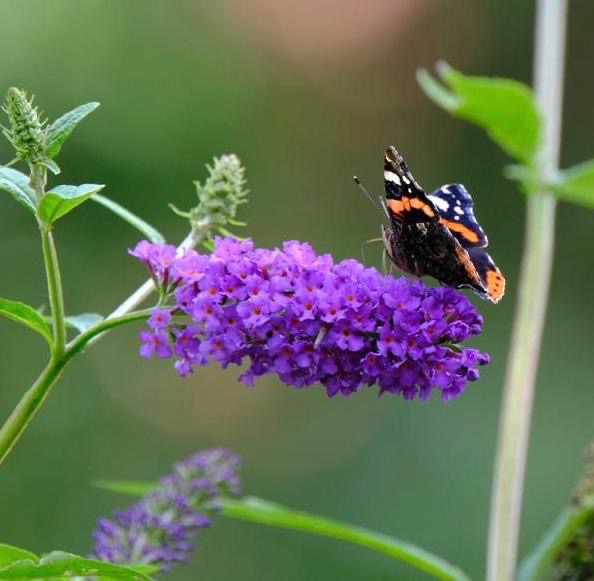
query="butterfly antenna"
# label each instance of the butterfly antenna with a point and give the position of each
(366, 192)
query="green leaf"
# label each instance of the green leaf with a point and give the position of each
(271, 514)
(62, 199)
(149, 231)
(17, 184)
(51, 165)
(576, 184)
(129, 487)
(538, 563)
(26, 315)
(60, 564)
(83, 321)
(504, 108)
(10, 554)
(145, 569)
(62, 127)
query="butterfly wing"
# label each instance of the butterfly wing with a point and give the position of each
(405, 199)
(491, 277)
(455, 207)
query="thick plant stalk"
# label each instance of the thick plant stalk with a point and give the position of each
(516, 412)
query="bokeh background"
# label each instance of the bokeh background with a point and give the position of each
(307, 94)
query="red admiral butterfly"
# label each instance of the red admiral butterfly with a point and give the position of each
(437, 234)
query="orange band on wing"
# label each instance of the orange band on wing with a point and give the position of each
(495, 284)
(405, 204)
(420, 205)
(468, 265)
(395, 206)
(466, 232)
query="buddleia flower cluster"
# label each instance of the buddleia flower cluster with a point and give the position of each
(160, 529)
(299, 316)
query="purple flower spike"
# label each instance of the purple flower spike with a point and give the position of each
(159, 529)
(298, 315)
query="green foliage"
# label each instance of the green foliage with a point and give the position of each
(83, 321)
(26, 315)
(33, 141)
(62, 199)
(144, 227)
(61, 128)
(20, 564)
(17, 184)
(219, 197)
(129, 487)
(272, 514)
(10, 554)
(576, 184)
(504, 108)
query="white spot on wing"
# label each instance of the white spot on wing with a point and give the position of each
(440, 203)
(459, 210)
(390, 176)
(405, 180)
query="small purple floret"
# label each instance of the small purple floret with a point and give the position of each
(159, 529)
(298, 315)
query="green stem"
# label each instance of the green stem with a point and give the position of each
(36, 395)
(31, 401)
(33, 398)
(538, 563)
(535, 275)
(54, 287)
(90, 335)
(263, 512)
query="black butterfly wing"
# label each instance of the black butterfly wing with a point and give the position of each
(406, 201)
(491, 277)
(455, 207)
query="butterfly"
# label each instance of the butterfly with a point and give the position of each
(436, 234)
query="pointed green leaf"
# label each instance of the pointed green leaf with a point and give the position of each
(61, 128)
(60, 564)
(10, 554)
(145, 569)
(129, 487)
(17, 184)
(26, 315)
(271, 514)
(504, 108)
(149, 231)
(576, 184)
(61, 199)
(83, 321)
(51, 165)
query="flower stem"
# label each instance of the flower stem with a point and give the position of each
(31, 401)
(535, 275)
(79, 343)
(54, 287)
(35, 396)
(272, 514)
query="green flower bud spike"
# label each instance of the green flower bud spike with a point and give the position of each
(218, 199)
(576, 559)
(26, 132)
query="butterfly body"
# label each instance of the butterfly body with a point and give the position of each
(437, 234)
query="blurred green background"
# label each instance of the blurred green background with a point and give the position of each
(307, 94)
